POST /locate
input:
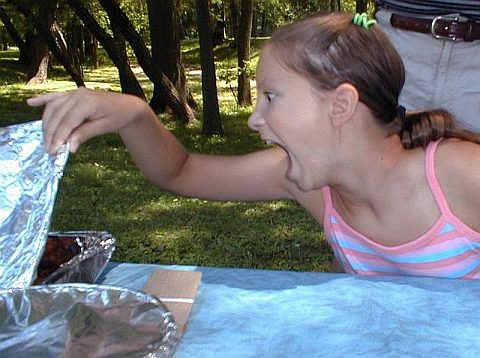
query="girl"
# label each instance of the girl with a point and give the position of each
(396, 194)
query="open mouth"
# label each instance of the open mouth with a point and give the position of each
(268, 141)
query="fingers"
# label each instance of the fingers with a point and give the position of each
(79, 115)
(75, 124)
(53, 113)
(55, 108)
(63, 113)
(41, 100)
(67, 118)
(81, 135)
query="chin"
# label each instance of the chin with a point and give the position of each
(301, 183)
(305, 186)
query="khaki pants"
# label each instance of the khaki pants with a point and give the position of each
(439, 73)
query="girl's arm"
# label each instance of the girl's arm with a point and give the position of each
(79, 115)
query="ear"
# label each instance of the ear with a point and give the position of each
(344, 102)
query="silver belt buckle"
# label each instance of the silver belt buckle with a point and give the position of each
(450, 18)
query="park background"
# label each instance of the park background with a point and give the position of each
(194, 63)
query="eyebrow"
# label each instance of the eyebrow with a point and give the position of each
(267, 82)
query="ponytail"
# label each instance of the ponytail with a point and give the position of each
(422, 127)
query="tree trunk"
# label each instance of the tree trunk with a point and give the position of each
(245, 29)
(37, 72)
(46, 33)
(254, 24)
(234, 21)
(75, 44)
(181, 109)
(91, 48)
(165, 39)
(4, 44)
(26, 56)
(12, 31)
(38, 68)
(128, 81)
(211, 112)
(264, 25)
(361, 6)
(60, 39)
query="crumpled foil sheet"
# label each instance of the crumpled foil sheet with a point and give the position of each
(78, 320)
(29, 180)
(68, 319)
(75, 257)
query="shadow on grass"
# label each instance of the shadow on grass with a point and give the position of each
(102, 190)
(158, 227)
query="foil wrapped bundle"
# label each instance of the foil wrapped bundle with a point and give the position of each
(28, 184)
(67, 319)
(76, 320)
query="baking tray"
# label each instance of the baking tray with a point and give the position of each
(74, 257)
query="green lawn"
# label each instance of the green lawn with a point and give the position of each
(102, 190)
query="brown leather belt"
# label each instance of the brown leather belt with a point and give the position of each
(442, 27)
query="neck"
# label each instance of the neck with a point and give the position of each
(366, 172)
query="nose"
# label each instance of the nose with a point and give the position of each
(255, 121)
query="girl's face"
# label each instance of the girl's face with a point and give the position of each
(292, 114)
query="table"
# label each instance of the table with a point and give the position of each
(262, 313)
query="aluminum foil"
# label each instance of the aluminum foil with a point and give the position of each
(75, 257)
(28, 184)
(68, 319)
(76, 320)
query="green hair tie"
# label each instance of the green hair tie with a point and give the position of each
(363, 21)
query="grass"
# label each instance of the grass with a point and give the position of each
(102, 190)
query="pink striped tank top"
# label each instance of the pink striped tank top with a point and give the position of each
(450, 249)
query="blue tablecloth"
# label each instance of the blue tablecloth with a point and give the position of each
(260, 313)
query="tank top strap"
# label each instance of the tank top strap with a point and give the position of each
(432, 178)
(327, 207)
(327, 198)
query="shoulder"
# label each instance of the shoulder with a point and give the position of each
(457, 166)
(462, 156)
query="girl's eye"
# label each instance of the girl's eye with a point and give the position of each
(270, 96)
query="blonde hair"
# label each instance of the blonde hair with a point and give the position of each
(328, 50)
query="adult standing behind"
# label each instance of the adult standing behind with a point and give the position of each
(439, 42)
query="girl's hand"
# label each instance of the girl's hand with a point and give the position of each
(79, 115)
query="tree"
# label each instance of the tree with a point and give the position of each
(165, 41)
(211, 111)
(243, 41)
(361, 5)
(45, 39)
(180, 108)
(38, 64)
(14, 34)
(38, 67)
(234, 20)
(128, 80)
(75, 47)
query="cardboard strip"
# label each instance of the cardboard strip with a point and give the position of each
(177, 291)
